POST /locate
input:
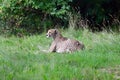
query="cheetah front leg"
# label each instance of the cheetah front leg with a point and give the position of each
(52, 48)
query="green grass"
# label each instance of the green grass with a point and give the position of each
(24, 59)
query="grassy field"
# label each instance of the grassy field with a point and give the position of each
(24, 58)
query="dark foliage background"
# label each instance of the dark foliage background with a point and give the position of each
(35, 16)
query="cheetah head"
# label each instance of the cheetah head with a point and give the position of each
(52, 33)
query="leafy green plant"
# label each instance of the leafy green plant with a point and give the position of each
(33, 14)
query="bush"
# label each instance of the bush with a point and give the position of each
(33, 15)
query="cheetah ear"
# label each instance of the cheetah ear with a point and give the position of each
(56, 31)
